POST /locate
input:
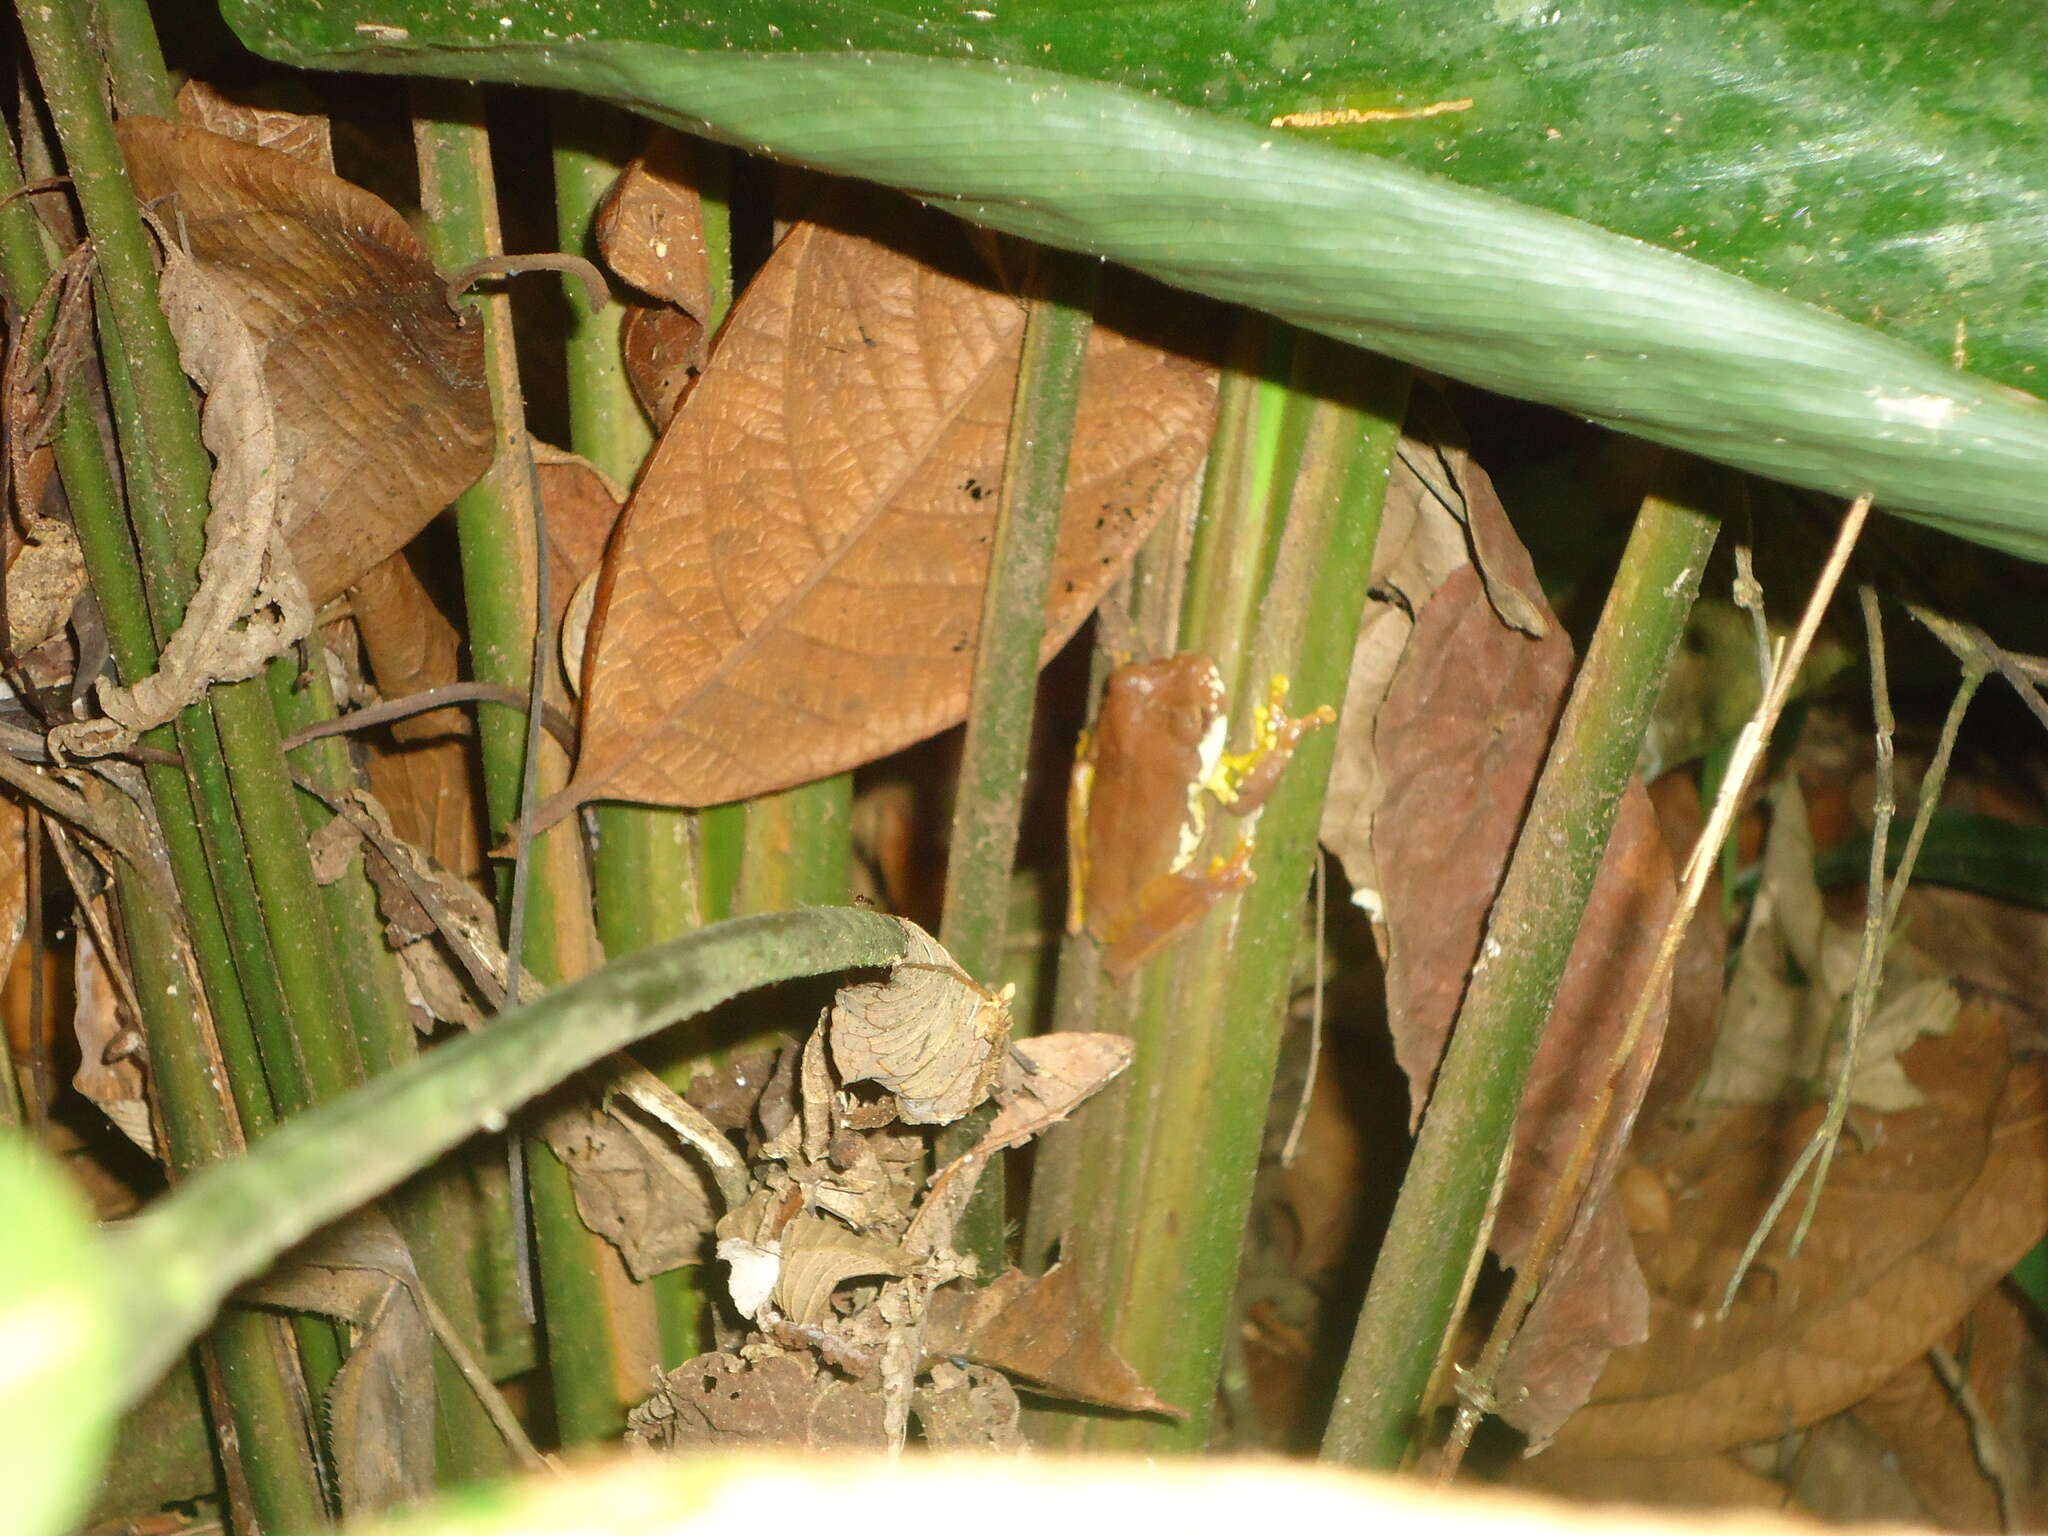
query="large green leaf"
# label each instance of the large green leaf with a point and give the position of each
(1362, 248)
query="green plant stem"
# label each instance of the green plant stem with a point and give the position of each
(989, 800)
(135, 60)
(425, 1210)
(644, 874)
(187, 1252)
(1166, 1168)
(496, 528)
(1441, 1219)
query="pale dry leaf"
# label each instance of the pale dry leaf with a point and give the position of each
(797, 583)
(650, 227)
(818, 1256)
(44, 580)
(637, 1190)
(379, 388)
(1918, 1219)
(109, 1073)
(307, 136)
(250, 604)
(1046, 1079)
(1787, 1003)
(969, 1408)
(931, 1037)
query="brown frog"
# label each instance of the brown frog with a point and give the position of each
(1138, 804)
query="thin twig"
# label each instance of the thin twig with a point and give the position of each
(558, 723)
(1882, 903)
(1984, 1442)
(1562, 1206)
(595, 289)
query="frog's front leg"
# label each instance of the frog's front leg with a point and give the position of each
(1244, 781)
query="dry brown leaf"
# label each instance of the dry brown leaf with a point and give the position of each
(1046, 1079)
(430, 789)
(636, 1189)
(721, 1401)
(1460, 740)
(379, 389)
(1928, 1435)
(1916, 1223)
(798, 581)
(664, 351)
(1042, 1332)
(650, 227)
(1421, 544)
(108, 1072)
(302, 135)
(410, 644)
(929, 1035)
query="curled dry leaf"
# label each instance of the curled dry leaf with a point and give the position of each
(664, 350)
(797, 584)
(1918, 1220)
(381, 1409)
(818, 1256)
(650, 228)
(931, 1036)
(383, 415)
(250, 604)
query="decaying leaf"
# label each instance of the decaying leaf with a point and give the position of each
(968, 1408)
(250, 604)
(650, 228)
(1781, 1022)
(719, 1401)
(1041, 1332)
(1458, 682)
(797, 584)
(378, 386)
(635, 1188)
(1046, 1079)
(929, 1035)
(817, 1256)
(1920, 1216)
(411, 645)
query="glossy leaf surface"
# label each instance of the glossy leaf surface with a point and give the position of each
(1401, 261)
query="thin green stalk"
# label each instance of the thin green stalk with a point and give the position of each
(1286, 574)
(497, 529)
(1442, 1216)
(644, 874)
(135, 60)
(989, 800)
